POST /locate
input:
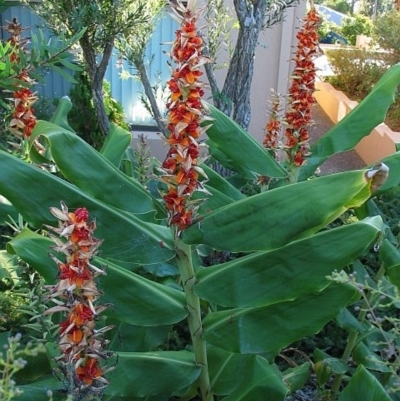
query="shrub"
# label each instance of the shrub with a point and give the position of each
(356, 71)
(359, 25)
(387, 35)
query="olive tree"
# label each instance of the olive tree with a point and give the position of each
(105, 22)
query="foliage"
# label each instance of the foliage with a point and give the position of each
(242, 313)
(359, 25)
(387, 34)
(105, 21)
(12, 361)
(338, 5)
(326, 27)
(83, 117)
(356, 72)
(232, 319)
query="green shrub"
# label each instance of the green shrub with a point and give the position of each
(387, 35)
(359, 25)
(356, 71)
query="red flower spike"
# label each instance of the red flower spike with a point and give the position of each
(297, 119)
(75, 295)
(23, 119)
(185, 115)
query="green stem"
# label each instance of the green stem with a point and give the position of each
(185, 264)
(353, 335)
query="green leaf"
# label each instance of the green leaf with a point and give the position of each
(261, 381)
(128, 337)
(37, 391)
(134, 299)
(60, 116)
(115, 144)
(215, 181)
(92, 172)
(288, 272)
(391, 259)
(270, 328)
(290, 213)
(33, 191)
(139, 301)
(362, 355)
(363, 386)
(356, 125)
(326, 365)
(225, 368)
(240, 147)
(142, 374)
(296, 377)
(7, 210)
(347, 321)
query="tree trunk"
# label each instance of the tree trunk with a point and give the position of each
(148, 90)
(96, 74)
(235, 96)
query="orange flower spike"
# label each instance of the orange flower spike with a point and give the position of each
(298, 118)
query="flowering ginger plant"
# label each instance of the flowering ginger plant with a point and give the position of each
(188, 331)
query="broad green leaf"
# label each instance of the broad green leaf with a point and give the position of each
(347, 321)
(240, 147)
(37, 391)
(272, 219)
(60, 116)
(362, 355)
(363, 386)
(261, 381)
(130, 338)
(326, 365)
(84, 167)
(7, 210)
(215, 181)
(33, 191)
(134, 299)
(271, 328)
(391, 259)
(139, 301)
(141, 374)
(115, 144)
(296, 377)
(357, 124)
(288, 272)
(225, 368)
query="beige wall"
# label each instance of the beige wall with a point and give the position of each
(272, 70)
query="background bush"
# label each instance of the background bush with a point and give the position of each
(387, 35)
(359, 25)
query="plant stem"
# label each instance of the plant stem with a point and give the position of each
(185, 264)
(353, 335)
